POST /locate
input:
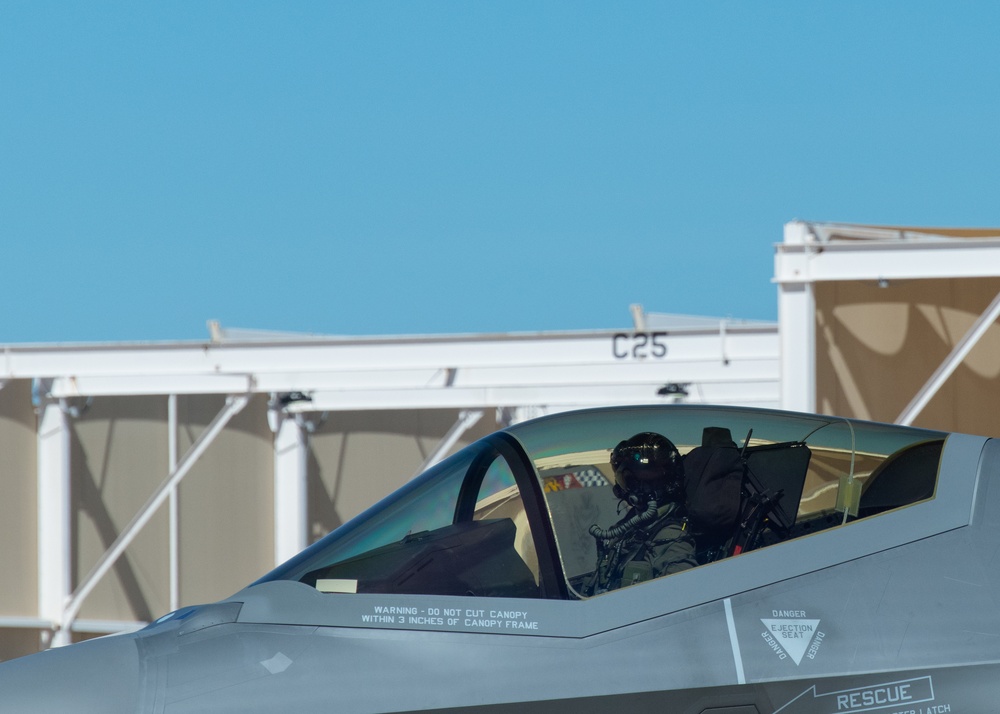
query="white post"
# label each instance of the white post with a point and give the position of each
(174, 515)
(291, 510)
(54, 517)
(796, 325)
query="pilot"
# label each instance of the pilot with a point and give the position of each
(653, 538)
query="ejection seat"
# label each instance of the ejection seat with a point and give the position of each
(713, 478)
(736, 494)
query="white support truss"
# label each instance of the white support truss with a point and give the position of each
(797, 317)
(951, 363)
(54, 511)
(234, 404)
(659, 359)
(174, 507)
(465, 371)
(467, 419)
(814, 253)
(291, 508)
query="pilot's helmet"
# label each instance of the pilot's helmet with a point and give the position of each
(647, 466)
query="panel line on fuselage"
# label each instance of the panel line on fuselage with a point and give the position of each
(734, 642)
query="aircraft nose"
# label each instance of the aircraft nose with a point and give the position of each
(99, 675)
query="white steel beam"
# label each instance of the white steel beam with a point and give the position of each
(886, 260)
(88, 626)
(762, 392)
(234, 404)
(174, 514)
(797, 313)
(797, 321)
(439, 372)
(291, 451)
(109, 385)
(741, 366)
(951, 363)
(54, 514)
(28, 623)
(224, 368)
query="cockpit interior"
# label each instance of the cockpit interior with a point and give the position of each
(512, 514)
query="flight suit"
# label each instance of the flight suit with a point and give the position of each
(661, 547)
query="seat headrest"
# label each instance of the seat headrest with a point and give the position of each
(716, 436)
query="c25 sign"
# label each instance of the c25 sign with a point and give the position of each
(639, 345)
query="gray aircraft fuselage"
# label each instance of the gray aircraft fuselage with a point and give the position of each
(857, 606)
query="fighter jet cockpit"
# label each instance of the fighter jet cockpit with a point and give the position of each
(699, 559)
(542, 509)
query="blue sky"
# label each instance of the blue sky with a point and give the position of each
(453, 167)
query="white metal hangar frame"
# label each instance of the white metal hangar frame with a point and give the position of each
(891, 323)
(292, 385)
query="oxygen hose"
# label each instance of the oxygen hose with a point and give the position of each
(622, 528)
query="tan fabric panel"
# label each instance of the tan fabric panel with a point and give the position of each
(18, 642)
(18, 502)
(358, 458)
(226, 511)
(877, 347)
(118, 456)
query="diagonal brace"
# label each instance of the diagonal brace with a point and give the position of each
(234, 405)
(945, 370)
(467, 418)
